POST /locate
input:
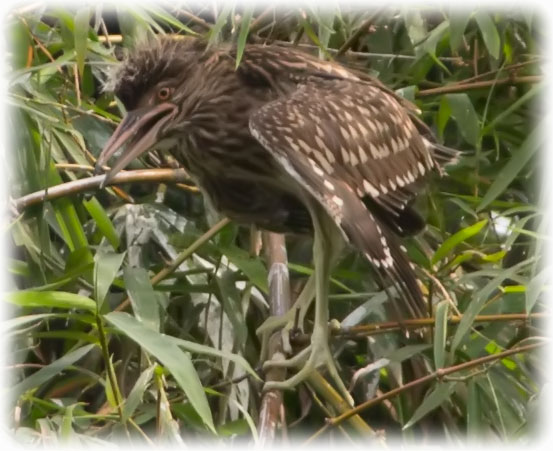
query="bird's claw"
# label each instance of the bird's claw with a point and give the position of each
(312, 357)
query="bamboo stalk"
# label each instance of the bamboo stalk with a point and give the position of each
(92, 183)
(279, 301)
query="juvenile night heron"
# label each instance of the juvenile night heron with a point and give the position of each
(289, 143)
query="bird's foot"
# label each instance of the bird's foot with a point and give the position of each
(314, 356)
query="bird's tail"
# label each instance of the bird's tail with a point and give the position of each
(381, 247)
(443, 155)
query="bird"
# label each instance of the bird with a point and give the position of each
(292, 144)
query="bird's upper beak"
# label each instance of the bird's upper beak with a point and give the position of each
(139, 130)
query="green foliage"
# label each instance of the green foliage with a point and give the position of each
(183, 361)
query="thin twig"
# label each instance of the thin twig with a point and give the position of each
(435, 375)
(195, 19)
(77, 85)
(365, 55)
(167, 271)
(259, 19)
(495, 71)
(457, 87)
(364, 330)
(355, 36)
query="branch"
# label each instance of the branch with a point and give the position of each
(462, 87)
(435, 375)
(364, 330)
(93, 183)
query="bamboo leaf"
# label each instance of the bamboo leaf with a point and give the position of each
(406, 352)
(536, 286)
(143, 297)
(474, 410)
(243, 36)
(252, 267)
(512, 168)
(439, 394)
(457, 238)
(198, 348)
(106, 266)
(169, 354)
(458, 22)
(137, 392)
(51, 299)
(440, 333)
(477, 303)
(489, 32)
(462, 110)
(102, 221)
(50, 371)
(82, 19)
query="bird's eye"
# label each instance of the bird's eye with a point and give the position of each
(164, 93)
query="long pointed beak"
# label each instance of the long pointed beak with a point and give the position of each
(139, 130)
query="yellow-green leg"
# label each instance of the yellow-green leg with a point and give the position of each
(327, 243)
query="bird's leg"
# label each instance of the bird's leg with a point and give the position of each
(318, 353)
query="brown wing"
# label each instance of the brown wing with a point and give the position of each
(357, 133)
(343, 140)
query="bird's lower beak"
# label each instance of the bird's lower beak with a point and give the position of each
(139, 130)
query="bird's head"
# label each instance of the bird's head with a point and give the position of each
(149, 82)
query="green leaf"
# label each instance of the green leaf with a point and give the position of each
(514, 165)
(415, 25)
(457, 238)
(214, 33)
(308, 29)
(252, 267)
(462, 110)
(106, 266)
(477, 303)
(244, 29)
(108, 390)
(441, 393)
(489, 32)
(536, 286)
(238, 428)
(82, 19)
(406, 352)
(231, 304)
(51, 299)
(66, 429)
(458, 22)
(135, 396)
(143, 297)
(14, 323)
(170, 355)
(50, 371)
(197, 348)
(474, 410)
(532, 92)
(444, 113)
(102, 220)
(171, 20)
(440, 333)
